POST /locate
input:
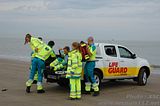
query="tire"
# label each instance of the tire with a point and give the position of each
(142, 77)
(98, 78)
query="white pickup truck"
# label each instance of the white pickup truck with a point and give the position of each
(113, 62)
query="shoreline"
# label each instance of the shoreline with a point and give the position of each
(155, 66)
(26, 59)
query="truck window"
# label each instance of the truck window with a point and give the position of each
(110, 51)
(124, 53)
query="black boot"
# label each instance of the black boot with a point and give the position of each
(78, 98)
(96, 93)
(87, 92)
(34, 82)
(41, 91)
(28, 89)
(71, 98)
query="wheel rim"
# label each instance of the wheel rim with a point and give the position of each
(97, 79)
(144, 77)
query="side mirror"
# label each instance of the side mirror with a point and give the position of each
(134, 56)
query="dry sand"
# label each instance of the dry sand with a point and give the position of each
(13, 75)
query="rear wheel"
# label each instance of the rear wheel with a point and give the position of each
(97, 77)
(142, 77)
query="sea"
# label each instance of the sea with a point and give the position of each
(14, 48)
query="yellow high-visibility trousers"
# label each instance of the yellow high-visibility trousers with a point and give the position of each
(75, 88)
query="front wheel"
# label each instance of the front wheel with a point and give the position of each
(142, 77)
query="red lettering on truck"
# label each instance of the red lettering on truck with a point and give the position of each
(114, 69)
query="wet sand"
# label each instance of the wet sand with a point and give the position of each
(13, 75)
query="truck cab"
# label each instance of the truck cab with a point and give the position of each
(113, 62)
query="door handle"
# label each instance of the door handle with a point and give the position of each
(122, 61)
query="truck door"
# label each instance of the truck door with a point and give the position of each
(127, 62)
(110, 60)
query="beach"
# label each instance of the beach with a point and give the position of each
(13, 75)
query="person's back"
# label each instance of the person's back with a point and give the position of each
(34, 43)
(74, 71)
(42, 52)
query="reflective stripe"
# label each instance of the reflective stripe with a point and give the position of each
(72, 94)
(95, 87)
(88, 86)
(83, 45)
(39, 87)
(74, 62)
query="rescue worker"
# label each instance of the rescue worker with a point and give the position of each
(32, 56)
(42, 52)
(89, 69)
(51, 58)
(61, 62)
(74, 71)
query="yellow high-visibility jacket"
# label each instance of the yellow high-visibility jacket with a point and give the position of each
(58, 64)
(92, 49)
(44, 51)
(74, 68)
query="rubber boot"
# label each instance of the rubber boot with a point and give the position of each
(87, 88)
(28, 84)
(40, 88)
(78, 98)
(87, 92)
(71, 98)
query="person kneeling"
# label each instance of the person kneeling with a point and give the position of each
(61, 62)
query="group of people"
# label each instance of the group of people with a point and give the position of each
(70, 61)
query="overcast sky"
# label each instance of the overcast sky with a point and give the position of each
(74, 19)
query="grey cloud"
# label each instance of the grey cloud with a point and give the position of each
(118, 18)
(94, 4)
(86, 8)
